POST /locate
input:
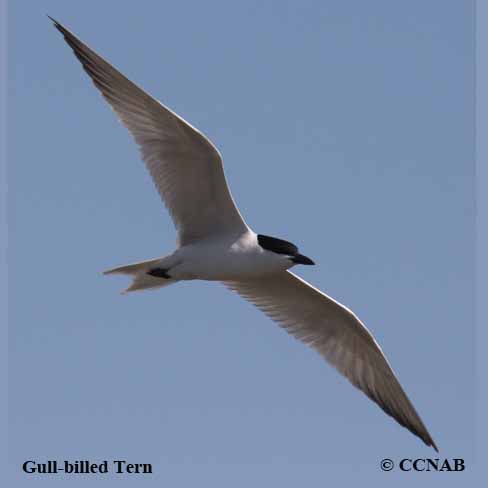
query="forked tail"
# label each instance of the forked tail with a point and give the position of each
(141, 280)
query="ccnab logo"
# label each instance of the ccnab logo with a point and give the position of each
(455, 464)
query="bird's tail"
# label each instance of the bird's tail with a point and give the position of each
(141, 280)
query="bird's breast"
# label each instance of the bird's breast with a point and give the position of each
(228, 262)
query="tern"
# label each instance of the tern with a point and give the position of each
(215, 243)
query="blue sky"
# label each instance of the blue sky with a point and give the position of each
(346, 127)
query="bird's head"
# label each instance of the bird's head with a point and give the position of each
(287, 249)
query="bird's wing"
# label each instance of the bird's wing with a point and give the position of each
(338, 335)
(186, 168)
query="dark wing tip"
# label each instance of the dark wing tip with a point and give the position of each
(59, 26)
(54, 21)
(433, 444)
(425, 437)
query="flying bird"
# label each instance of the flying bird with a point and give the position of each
(215, 243)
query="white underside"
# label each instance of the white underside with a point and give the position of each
(222, 259)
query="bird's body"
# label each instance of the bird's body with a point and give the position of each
(215, 243)
(223, 258)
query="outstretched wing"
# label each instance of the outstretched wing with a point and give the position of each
(185, 166)
(338, 335)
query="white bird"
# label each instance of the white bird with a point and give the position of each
(215, 243)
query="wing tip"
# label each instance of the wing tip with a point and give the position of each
(54, 21)
(424, 436)
(432, 444)
(60, 27)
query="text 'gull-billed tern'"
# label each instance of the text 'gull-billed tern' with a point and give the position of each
(215, 243)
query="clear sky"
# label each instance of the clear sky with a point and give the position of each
(346, 127)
